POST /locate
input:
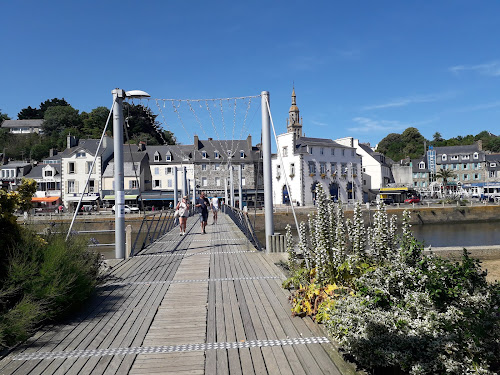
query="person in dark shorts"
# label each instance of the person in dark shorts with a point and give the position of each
(202, 203)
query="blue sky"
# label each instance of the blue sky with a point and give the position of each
(360, 68)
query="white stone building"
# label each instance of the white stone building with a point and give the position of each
(376, 171)
(76, 161)
(306, 162)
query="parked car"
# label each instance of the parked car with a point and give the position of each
(412, 200)
(387, 201)
(127, 209)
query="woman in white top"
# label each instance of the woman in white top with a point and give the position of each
(183, 208)
(214, 202)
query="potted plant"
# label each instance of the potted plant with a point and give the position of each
(323, 175)
(312, 174)
(292, 175)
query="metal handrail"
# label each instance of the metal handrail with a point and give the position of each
(240, 218)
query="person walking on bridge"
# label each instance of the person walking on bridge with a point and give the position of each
(202, 204)
(215, 208)
(183, 208)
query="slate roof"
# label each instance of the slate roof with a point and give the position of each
(204, 145)
(416, 162)
(178, 153)
(89, 145)
(37, 171)
(302, 143)
(492, 158)
(223, 146)
(22, 123)
(450, 150)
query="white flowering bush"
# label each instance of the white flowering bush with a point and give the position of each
(388, 304)
(433, 317)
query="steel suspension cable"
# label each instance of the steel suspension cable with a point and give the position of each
(91, 169)
(284, 173)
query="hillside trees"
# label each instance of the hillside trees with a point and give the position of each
(410, 143)
(61, 119)
(29, 113)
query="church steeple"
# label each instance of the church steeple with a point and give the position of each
(294, 123)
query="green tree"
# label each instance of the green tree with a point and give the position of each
(59, 118)
(52, 103)
(445, 175)
(29, 113)
(437, 137)
(3, 116)
(142, 126)
(94, 122)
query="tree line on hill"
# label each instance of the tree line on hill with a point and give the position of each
(411, 144)
(61, 119)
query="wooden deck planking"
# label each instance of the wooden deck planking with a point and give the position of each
(266, 332)
(170, 328)
(278, 351)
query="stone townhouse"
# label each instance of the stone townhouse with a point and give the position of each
(76, 161)
(468, 163)
(215, 159)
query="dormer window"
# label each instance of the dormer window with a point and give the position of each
(216, 154)
(81, 154)
(157, 156)
(493, 165)
(454, 157)
(168, 156)
(465, 157)
(421, 165)
(444, 157)
(204, 154)
(242, 154)
(229, 154)
(476, 155)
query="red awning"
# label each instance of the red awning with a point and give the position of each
(45, 199)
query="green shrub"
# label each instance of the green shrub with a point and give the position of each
(46, 278)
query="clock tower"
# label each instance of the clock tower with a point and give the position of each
(294, 122)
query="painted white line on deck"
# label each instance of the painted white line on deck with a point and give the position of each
(202, 253)
(192, 281)
(169, 349)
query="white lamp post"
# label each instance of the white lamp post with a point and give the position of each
(118, 96)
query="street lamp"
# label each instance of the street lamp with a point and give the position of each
(118, 96)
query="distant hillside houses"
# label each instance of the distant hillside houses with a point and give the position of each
(23, 126)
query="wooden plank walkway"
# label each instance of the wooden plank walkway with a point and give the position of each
(194, 304)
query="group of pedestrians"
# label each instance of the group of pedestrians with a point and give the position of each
(202, 204)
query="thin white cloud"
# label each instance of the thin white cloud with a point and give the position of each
(318, 123)
(491, 69)
(402, 102)
(367, 125)
(370, 125)
(480, 107)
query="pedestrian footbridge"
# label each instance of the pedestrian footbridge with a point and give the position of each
(193, 304)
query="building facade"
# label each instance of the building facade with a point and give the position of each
(305, 162)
